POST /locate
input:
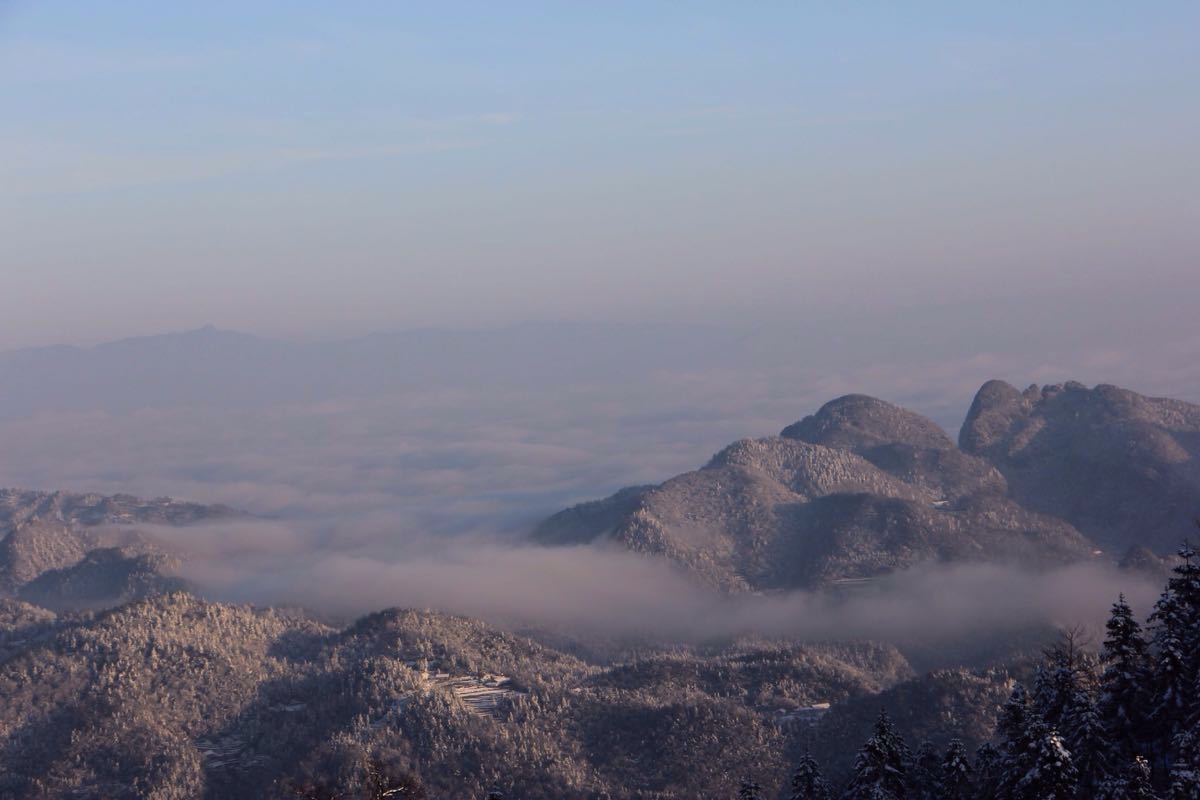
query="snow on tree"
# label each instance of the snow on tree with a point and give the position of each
(1015, 728)
(1138, 784)
(1087, 740)
(807, 783)
(1176, 639)
(1124, 681)
(1054, 686)
(925, 776)
(1050, 773)
(1133, 784)
(1013, 724)
(1170, 668)
(956, 774)
(1185, 765)
(749, 790)
(880, 768)
(988, 764)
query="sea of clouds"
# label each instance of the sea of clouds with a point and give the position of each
(420, 493)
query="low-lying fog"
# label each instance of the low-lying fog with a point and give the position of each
(609, 592)
(406, 469)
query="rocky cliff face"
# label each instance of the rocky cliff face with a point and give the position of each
(1121, 467)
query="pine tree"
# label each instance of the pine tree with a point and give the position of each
(1185, 765)
(1138, 783)
(1088, 741)
(880, 767)
(988, 765)
(1015, 727)
(1050, 773)
(1124, 682)
(749, 790)
(1133, 784)
(925, 777)
(1176, 638)
(1013, 722)
(807, 783)
(956, 783)
(1054, 686)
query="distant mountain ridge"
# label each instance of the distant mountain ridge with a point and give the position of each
(863, 487)
(210, 367)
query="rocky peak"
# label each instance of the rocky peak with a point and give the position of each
(995, 407)
(1120, 466)
(858, 422)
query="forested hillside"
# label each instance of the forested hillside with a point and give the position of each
(174, 697)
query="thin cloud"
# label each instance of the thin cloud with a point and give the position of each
(611, 592)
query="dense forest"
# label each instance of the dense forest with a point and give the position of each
(1120, 724)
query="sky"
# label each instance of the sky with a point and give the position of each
(665, 226)
(313, 170)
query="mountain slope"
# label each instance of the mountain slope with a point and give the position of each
(173, 697)
(67, 551)
(858, 489)
(899, 442)
(104, 577)
(1121, 467)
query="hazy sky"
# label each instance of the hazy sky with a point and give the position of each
(321, 169)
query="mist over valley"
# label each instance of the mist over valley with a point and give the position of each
(622, 401)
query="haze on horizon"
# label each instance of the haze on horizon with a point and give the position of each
(318, 172)
(399, 284)
(573, 400)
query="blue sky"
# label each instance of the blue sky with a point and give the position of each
(314, 169)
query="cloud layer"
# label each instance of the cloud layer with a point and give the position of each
(605, 591)
(374, 496)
